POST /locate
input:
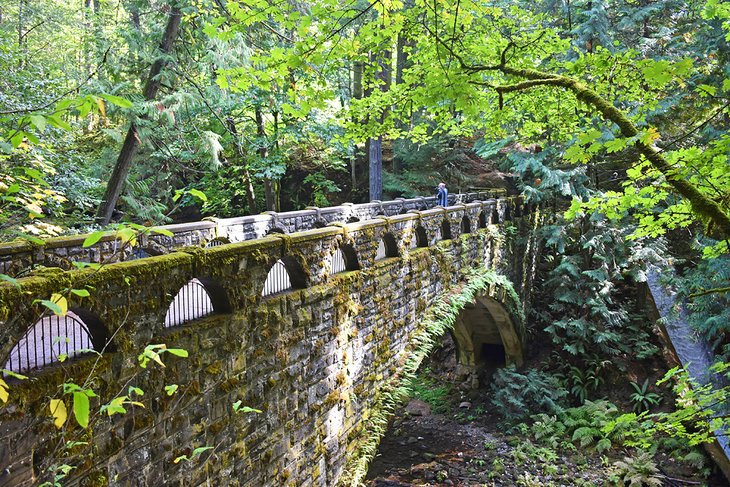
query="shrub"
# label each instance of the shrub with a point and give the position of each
(517, 395)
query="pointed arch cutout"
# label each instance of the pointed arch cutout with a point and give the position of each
(446, 229)
(78, 332)
(387, 247)
(285, 275)
(495, 216)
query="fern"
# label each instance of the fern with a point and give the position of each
(637, 471)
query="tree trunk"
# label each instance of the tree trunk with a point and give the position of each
(269, 192)
(375, 151)
(247, 183)
(131, 141)
(357, 69)
(375, 156)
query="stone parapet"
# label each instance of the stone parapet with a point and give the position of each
(20, 255)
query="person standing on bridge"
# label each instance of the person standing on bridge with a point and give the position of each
(443, 195)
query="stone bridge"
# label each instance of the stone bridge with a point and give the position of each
(309, 317)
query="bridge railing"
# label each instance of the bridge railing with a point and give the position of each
(132, 301)
(61, 252)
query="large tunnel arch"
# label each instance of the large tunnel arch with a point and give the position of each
(485, 332)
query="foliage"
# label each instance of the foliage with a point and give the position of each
(425, 388)
(637, 471)
(701, 410)
(517, 395)
(643, 399)
(704, 287)
(583, 381)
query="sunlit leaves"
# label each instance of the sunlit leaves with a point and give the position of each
(153, 353)
(58, 412)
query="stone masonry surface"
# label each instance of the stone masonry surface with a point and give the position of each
(312, 359)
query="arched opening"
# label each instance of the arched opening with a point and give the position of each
(353, 219)
(199, 298)
(446, 229)
(344, 259)
(285, 275)
(486, 337)
(53, 338)
(319, 224)
(492, 355)
(495, 216)
(465, 225)
(421, 237)
(216, 242)
(387, 247)
(275, 230)
(507, 213)
(482, 220)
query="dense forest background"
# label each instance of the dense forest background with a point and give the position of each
(615, 115)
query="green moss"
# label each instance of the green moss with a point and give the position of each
(214, 369)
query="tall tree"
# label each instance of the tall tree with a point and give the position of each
(131, 141)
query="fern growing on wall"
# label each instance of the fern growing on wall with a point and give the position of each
(441, 317)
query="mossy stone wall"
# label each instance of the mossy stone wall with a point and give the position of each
(312, 360)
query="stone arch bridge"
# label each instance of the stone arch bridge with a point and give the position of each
(306, 316)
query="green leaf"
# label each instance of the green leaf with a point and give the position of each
(117, 100)
(135, 390)
(81, 408)
(198, 194)
(54, 307)
(58, 122)
(200, 450)
(81, 292)
(93, 238)
(127, 235)
(178, 352)
(706, 90)
(14, 375)
(171, 389)
(162, 231)
(38, 121)
(16, 139)
(9, 279)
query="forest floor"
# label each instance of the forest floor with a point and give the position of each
(461, 442)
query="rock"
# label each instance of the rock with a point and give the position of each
(418, 408)
(465, 405)
(428, 456)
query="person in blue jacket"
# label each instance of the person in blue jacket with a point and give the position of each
(443, 195)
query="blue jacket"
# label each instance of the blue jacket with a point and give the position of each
(443, 197)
